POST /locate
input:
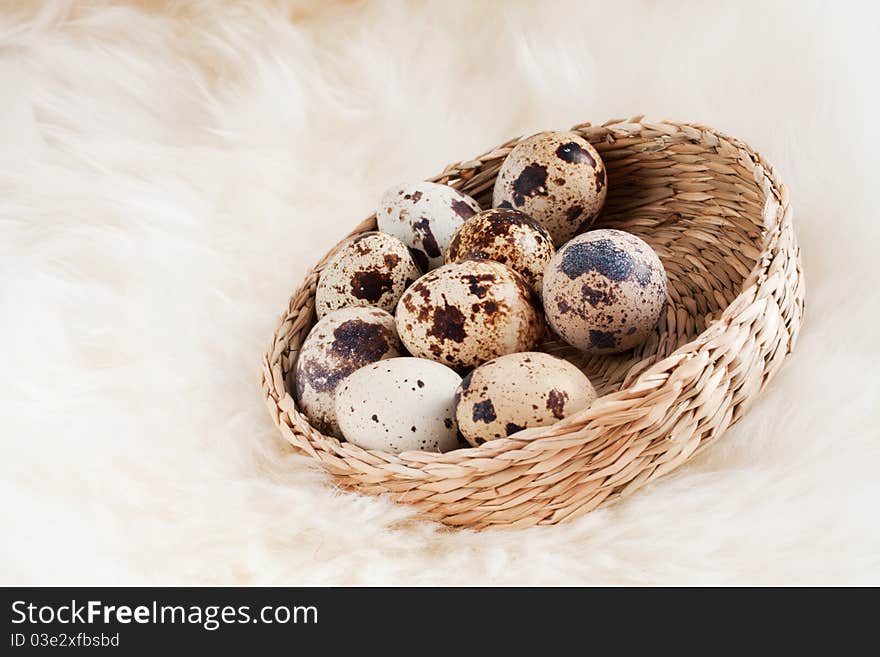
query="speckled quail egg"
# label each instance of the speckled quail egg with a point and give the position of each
(424, 216)
(513, 392)
(400, 405)
(370, 269)
(465, 313)
(557, 178)
(604, 291)
(338, 345)
(507, 236)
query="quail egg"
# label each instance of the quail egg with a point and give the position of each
(339, 344)
(517, 391)
(557, 178)
(507, 236)
(424, 216)
(399, 405)
(463, 314)
(370, 269)
(604, 291)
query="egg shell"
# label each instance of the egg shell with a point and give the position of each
(465, 313)
(507, 236)
(400, 405)
(424, 216)
(605, 291)
(514, 392)
(338, 345)
(557, 178)
(370, 269)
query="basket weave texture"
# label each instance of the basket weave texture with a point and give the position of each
(719, 218)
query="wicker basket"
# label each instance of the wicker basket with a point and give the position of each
(718, 216)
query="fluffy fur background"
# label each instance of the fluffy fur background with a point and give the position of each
(169, 171)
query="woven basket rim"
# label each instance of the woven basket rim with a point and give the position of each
(654, 385)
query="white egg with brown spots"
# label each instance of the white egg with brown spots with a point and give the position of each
(337, 346)
(465, 313)
(400, 405)
(507, 236)
(370, 269)
(605, 291)
(519, 391)
(557, 178)
(424, 216)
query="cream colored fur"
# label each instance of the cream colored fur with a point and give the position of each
(169, 172)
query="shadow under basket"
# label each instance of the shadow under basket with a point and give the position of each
(719, 218)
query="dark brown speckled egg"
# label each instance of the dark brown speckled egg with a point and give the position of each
(338, 345)
(370, 269)
(519, 391)
(557, 178)
(604, 291)
(468, 312)
(507, 236)
(424, 216)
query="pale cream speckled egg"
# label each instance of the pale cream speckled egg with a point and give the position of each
(424, 216)
(510, 393)
(370, 269)
(605, 291)
(557, 178)
(465, 313)
(507, 236)
(338, 345)
(400, 405)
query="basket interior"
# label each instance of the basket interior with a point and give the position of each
(702, 215)
(704, 220)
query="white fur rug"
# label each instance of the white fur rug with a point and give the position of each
(169, 171)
